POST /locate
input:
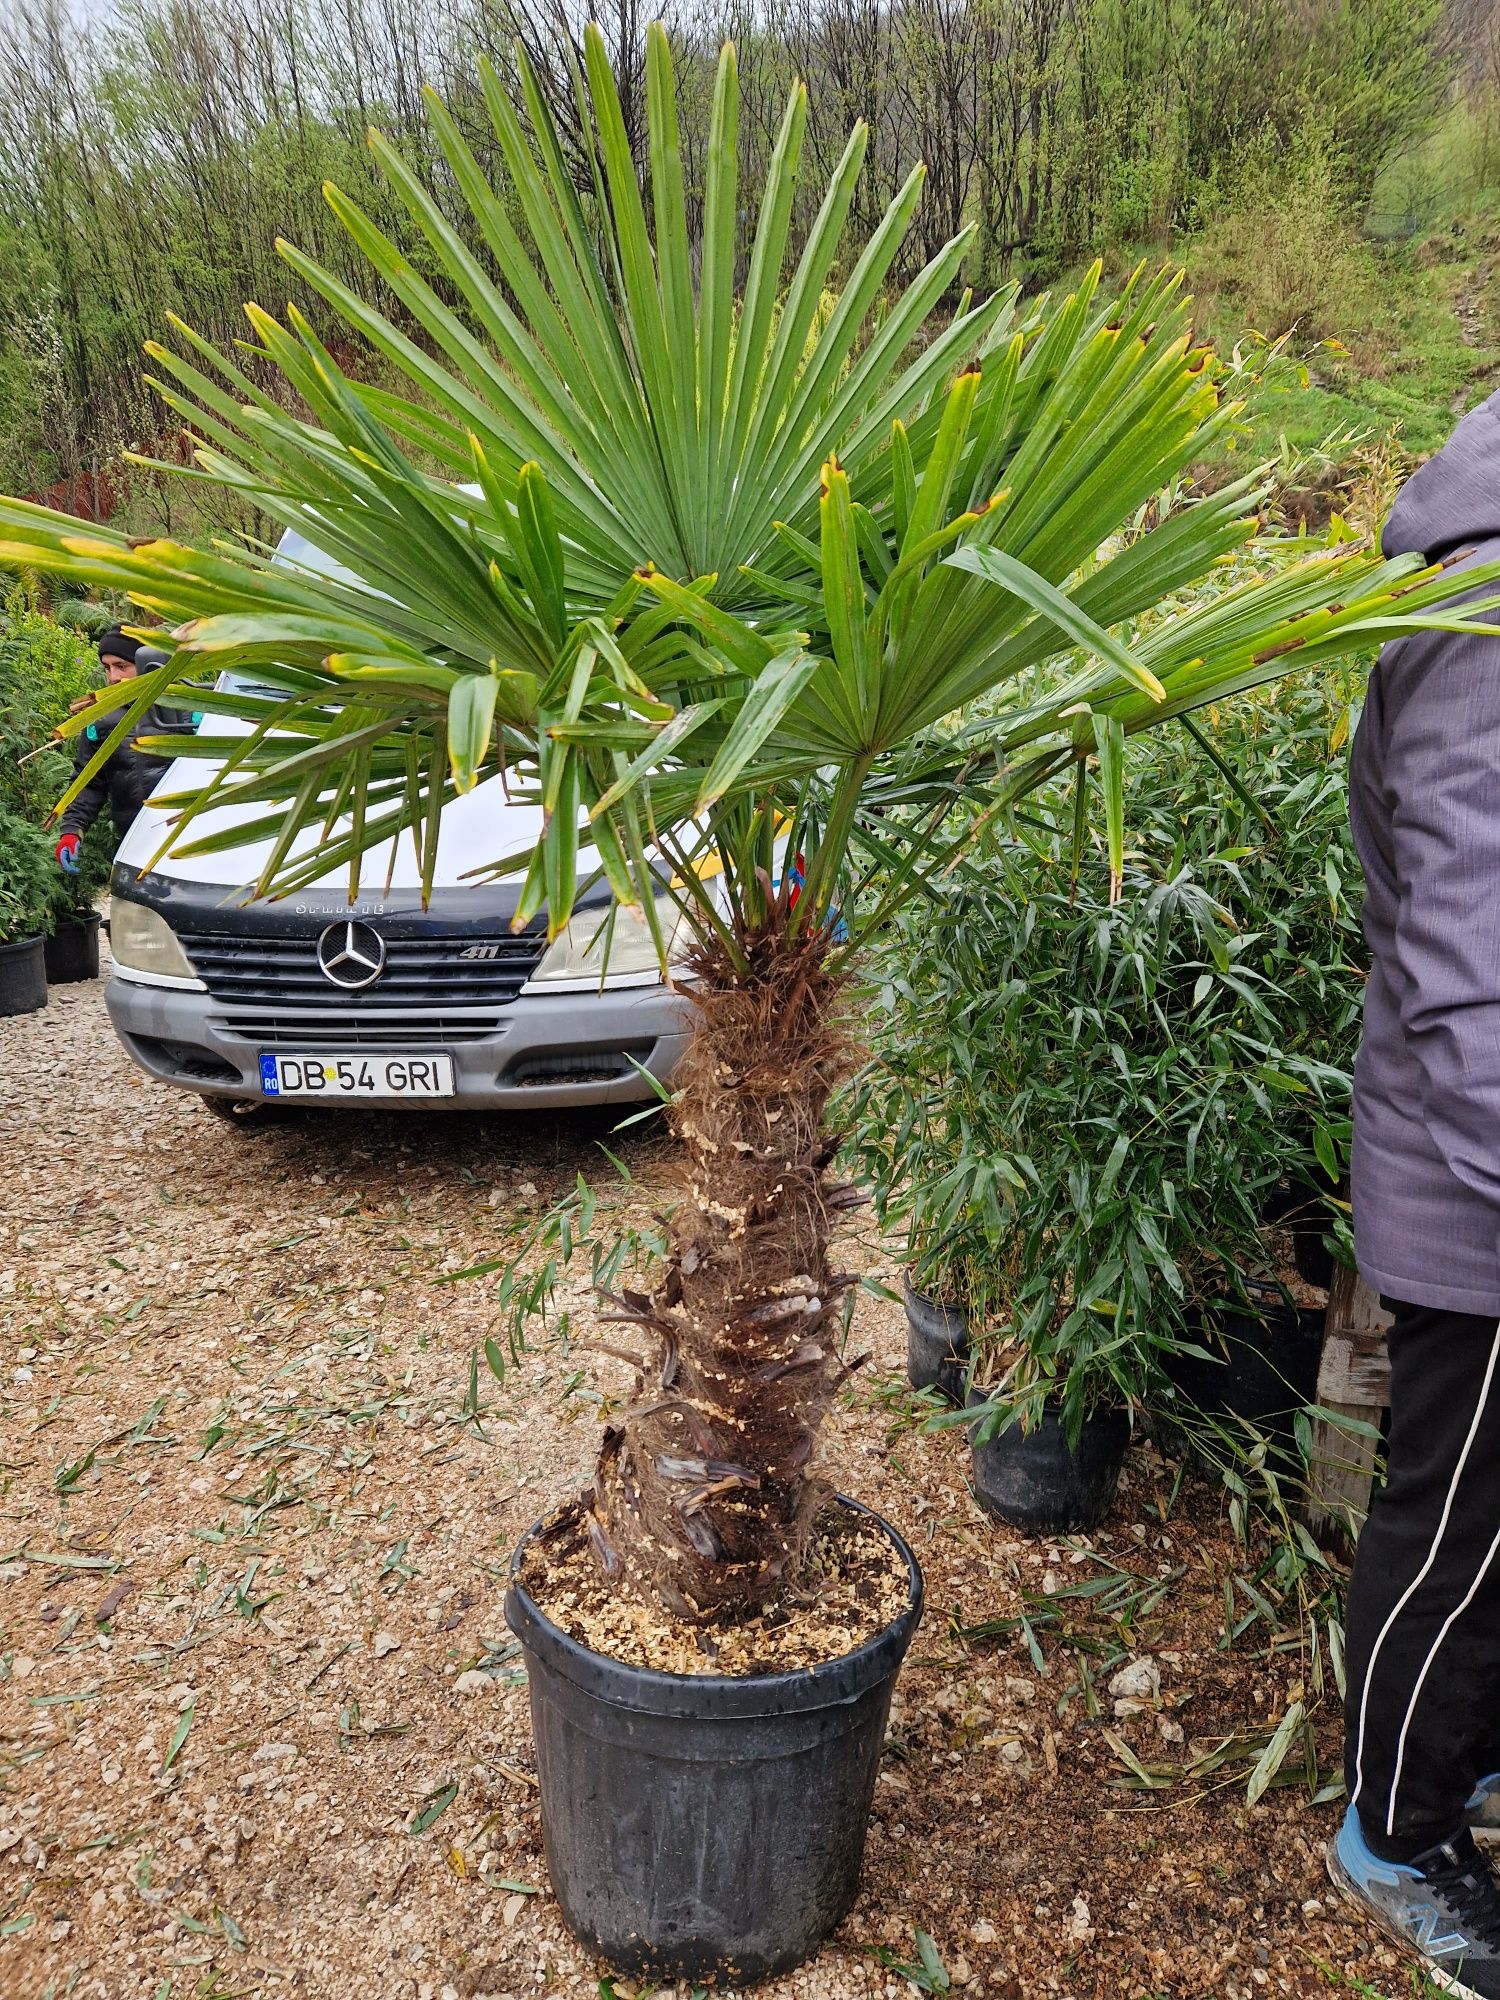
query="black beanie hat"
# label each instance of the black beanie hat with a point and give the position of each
(118, 645)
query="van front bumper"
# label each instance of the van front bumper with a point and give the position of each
(549, 1049)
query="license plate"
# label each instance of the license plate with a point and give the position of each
(356, 1076)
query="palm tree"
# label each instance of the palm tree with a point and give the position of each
(742, 579)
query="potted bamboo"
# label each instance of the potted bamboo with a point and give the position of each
(46, 665)
(1083, 1098)
(25, 884)
(73, 920)
(730, 553)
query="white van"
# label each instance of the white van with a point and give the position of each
(310, 999)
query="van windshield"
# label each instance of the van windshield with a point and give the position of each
(293, 551)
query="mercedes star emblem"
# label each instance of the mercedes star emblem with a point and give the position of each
(351, 955)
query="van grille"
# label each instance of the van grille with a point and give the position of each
(576, 1066)
(420, 972)
(315, 1036)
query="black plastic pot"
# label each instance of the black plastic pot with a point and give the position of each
(937, 1345)
(72, 951)
(1299, 1210)
(1037, 1482)
(699, 1826)
(23, 976)
(1269, 1368)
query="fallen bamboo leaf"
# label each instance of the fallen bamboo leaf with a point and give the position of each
(65, 1559)
(69, 1475)
(232, 1930)
(1275, 1753)
(332, 1661)
(1153, 1780)
(927, 1975)
(433, 1806)
(179, 1737)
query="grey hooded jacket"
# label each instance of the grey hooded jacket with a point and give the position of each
(1424, 804)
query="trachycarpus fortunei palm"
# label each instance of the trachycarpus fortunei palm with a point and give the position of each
(703, 570)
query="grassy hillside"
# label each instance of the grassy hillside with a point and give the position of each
(1390, 336)
(1397, 338)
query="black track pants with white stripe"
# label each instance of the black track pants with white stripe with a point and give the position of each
(1423, 1626)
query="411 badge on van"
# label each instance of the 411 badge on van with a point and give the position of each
(356, 1076)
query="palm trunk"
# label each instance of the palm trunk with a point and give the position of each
(704, 1495)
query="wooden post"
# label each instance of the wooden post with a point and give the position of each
(1353, 1381)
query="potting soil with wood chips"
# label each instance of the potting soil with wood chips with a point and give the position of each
(856, 1581)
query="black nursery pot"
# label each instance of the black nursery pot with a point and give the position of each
(72, 951)
(1298, 1209)
(1269, 1370)
(937, 1344)
(699, 1826)
(23, 976)
(1037, 1482)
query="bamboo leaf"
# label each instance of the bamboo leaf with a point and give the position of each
(1109, 742)
(1052, 604)
(1275, 1753)
(433, 1806)
(178, 1737)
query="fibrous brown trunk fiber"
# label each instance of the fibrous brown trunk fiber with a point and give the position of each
(704, 1495)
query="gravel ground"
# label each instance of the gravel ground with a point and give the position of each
(261, 1727)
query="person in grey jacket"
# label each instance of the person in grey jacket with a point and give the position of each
(1422, 1712)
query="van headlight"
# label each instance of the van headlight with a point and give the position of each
(586, 952)
(142, 941)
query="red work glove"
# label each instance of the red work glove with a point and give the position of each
(66, 851)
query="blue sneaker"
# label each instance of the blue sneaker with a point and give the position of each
(1483, 1809)
(1444, 1906)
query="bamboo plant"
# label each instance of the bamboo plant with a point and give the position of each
(694, 534)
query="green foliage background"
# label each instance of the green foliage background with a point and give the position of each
(26, 884)
(46, 664)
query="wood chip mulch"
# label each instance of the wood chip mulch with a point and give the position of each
(263, 1730)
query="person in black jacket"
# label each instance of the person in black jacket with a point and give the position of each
(128, 779)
